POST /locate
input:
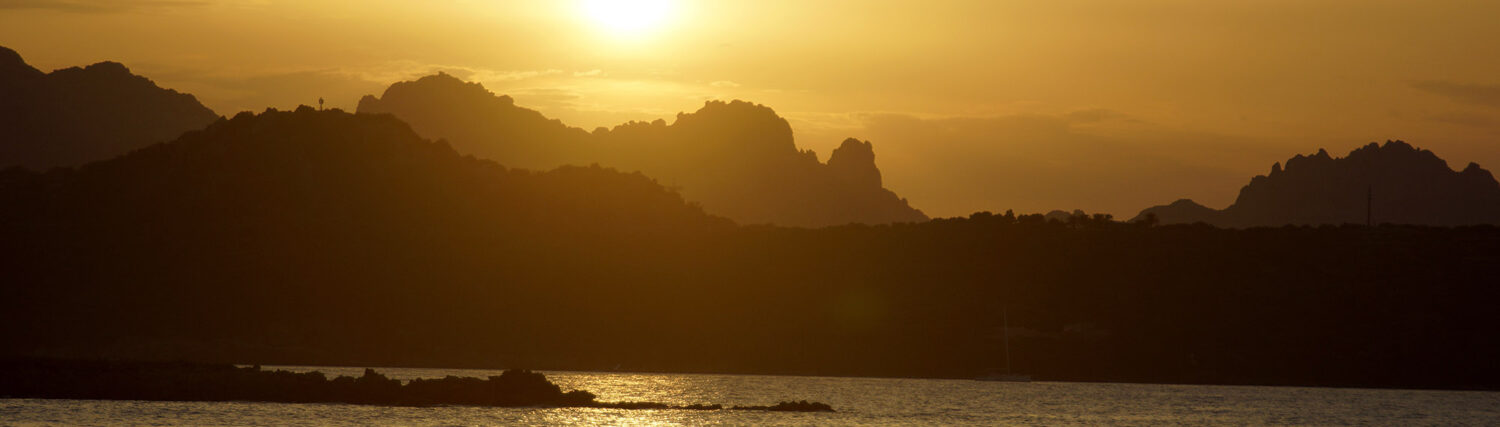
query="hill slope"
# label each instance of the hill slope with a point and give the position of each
(76, 115)
(287, 223)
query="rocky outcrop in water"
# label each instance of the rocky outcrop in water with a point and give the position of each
(115, 380)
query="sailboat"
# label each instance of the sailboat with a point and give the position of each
(1007, 375)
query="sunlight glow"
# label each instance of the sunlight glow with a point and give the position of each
(628, 17)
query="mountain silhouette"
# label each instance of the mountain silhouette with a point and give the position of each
(76, 115)
(278, 216)
(323, 237)
(1392, 183)
(478, 122)
(310, 167)
(736, 158)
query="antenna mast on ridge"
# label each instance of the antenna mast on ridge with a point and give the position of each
(1369, 203)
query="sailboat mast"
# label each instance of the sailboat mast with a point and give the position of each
(1005, 316)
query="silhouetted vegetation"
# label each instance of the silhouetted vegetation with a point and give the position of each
(313, 237)
(197, 382)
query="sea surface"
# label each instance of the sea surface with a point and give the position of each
(859, 401)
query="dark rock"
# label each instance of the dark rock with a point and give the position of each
(789, 406)
(116, 380)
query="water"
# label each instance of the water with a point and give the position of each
(871, 401)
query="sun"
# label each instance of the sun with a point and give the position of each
(628, 17)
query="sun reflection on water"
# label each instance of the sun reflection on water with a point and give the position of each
(860, 401)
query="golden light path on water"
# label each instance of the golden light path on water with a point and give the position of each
(900, 401)
(858, 401)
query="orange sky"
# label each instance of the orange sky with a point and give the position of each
(972, 105)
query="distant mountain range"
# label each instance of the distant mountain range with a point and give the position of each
(76, 115)
(1392, 183)
(736, 158)
(324, 237)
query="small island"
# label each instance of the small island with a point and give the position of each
(181, 381)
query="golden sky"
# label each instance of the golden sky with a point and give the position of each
(1100, 105)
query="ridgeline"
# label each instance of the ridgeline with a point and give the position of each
(1394, 183)
(328, 238)
(82, 114)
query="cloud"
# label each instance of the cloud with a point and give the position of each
(395, 71)
(724, 84)
(491, 76)
(99, 6)
(547, 98)
(1462, 119)
(1093, 115)
(1467, 93)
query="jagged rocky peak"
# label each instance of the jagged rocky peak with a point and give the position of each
(1187, 203)
(440, 87)
(1478, 176)
(1299, 161)
(854, 161)
(739, 123)
(1393, 182)
(1393, 147)
(736, 158)
(1372, 158)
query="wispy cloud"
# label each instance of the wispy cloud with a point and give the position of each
(99, 6)
(394, 71)
(1468, 93)
(1462, 119)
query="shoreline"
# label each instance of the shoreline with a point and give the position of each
(202, 382)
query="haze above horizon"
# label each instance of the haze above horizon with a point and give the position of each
(971, 105)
